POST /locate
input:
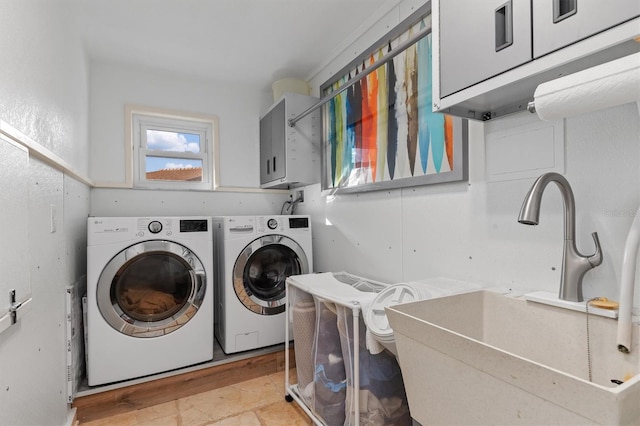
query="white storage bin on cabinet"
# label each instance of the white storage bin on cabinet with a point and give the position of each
(324, 311)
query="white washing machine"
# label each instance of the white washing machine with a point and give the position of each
(254, 255)
(149, 295)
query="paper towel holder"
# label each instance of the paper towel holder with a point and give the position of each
(615, 83)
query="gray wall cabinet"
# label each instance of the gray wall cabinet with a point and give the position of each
(290, 156)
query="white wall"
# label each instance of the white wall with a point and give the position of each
(469, 230)
(44, 77)
(43, 87)
(238, 108)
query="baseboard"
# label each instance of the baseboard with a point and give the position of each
(72, 417)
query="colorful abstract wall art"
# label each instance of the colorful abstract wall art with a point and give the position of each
(380, 132)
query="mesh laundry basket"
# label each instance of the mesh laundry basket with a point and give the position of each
(322, 307)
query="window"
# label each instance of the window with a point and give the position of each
(172, 150)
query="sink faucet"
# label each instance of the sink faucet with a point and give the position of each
(574, 265)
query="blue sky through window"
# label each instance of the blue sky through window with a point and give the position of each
(173, 142)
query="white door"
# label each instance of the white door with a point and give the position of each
(14, 228)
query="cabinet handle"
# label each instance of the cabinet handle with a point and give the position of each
(504, 26)
(562, 9)
(268, 171)
(274, 164)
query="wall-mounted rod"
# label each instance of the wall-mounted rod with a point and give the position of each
(365, 72)
(531, 107)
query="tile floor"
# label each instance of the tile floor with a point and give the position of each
(257, 402)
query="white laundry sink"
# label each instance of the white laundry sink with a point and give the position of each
(484, 358)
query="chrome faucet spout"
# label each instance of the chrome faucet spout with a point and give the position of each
(574, 264)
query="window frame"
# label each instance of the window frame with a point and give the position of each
(138, 119)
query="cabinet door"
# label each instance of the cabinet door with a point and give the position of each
(480, 39)
(558, 23)
(279, 133)
(265, 148)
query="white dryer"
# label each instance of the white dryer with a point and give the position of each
(254, 255)
(149, 295)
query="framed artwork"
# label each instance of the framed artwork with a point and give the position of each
(379, 131)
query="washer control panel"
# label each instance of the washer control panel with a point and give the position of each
(298, 222)
(107, 230)
(155, 227)
(270, 224)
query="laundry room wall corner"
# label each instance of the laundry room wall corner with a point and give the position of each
(44, 86)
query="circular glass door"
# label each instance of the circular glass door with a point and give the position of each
(151, 288)
(261, 270)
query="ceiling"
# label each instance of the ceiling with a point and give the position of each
(252, 41)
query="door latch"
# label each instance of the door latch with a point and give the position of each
(13, 306)
(11, 317)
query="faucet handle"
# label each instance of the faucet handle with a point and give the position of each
(596, 258)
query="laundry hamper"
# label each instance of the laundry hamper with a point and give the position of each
(321, 309)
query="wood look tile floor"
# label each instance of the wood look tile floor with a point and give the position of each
(255, 402)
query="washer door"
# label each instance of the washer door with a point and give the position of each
(261, 270)
(151, 288)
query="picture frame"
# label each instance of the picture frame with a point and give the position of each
(378, 128)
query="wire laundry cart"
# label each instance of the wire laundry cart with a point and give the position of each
(339, 382)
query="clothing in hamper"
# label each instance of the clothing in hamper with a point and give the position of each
(330, 382)
(383, 401)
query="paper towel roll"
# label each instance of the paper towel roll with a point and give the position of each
(603, 86)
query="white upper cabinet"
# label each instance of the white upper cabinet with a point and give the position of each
(272, 144)
(490, 55)
(558, 23)
(480, 39)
